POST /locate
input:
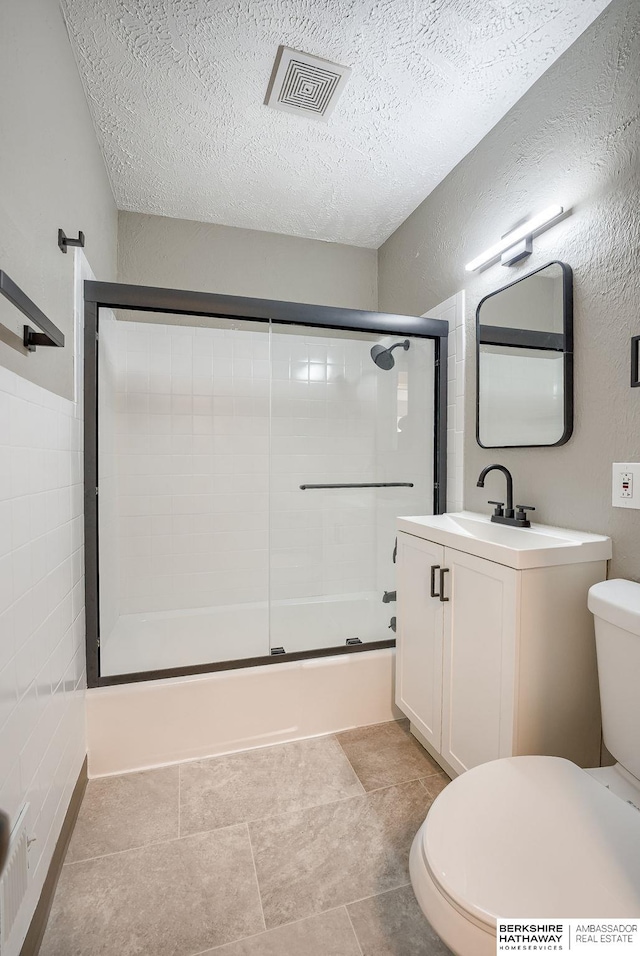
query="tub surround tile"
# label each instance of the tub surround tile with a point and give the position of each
(169, 899)
(386, 754)
(329, 934)
(315, 859)
(262, 783)
(120, 813)
(392, 924)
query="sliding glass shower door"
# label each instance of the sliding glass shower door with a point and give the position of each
(250, 477)
(351, 449)
(183, 435)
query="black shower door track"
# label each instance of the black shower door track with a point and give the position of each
(114, 295)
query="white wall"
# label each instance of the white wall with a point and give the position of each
(571, 139)
(52, 176)
(42, 659)
(177, 253)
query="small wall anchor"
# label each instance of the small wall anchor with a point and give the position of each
(64, 241)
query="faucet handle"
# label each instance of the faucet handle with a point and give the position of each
(499, 510)
(521, 512)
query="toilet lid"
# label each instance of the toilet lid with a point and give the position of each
(533, 837)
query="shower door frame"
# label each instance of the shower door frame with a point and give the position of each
(115, 295)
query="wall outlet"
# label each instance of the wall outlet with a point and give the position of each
(625, 485)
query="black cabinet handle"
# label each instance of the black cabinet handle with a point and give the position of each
(5, 828)
(443, 571)
(434, 568)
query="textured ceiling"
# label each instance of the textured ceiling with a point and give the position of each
(176, 88)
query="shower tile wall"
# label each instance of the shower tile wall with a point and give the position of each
(404, 450)
(324, 431)
(192, 427)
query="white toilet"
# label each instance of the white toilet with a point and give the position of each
(538, 836)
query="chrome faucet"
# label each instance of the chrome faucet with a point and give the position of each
(506, 515)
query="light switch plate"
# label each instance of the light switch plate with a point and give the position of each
(625, 485)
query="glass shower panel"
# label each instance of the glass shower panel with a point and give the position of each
(339, 418)
(183, 500)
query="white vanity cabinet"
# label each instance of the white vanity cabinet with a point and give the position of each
(492, 660)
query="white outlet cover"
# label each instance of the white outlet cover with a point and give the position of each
(618, 500)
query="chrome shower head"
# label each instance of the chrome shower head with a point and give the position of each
(382, 356)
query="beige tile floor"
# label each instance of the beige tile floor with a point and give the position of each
(296, 850)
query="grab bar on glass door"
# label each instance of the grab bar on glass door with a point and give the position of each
(362, 484)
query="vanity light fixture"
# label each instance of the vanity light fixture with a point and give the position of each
(517, 244)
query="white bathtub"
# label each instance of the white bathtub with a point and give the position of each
(153, 723)
(162, 639)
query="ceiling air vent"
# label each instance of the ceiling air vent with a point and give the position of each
(305, 84)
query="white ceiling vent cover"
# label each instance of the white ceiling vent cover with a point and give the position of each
(305, 84)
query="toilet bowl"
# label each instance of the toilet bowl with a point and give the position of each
(537, 836)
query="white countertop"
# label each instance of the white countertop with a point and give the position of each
(539, 546)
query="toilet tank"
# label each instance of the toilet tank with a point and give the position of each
(615, 606)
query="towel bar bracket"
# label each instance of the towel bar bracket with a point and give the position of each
(64, 241)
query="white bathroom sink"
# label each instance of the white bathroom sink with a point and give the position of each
(536, 547)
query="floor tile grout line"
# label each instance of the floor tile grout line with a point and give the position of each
(255, 870)
(309, 916)
(397, 783)
(374, 896)
(346, 756)
(402, 783)
(272, 929)
(283, 813)
(227, 826)
(331, 909)
(143, 846)
(353, 929)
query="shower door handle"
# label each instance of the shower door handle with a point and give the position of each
(359, 484)
(443, 571)
(434, 568)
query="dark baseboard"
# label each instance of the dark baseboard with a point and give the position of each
(35, 933)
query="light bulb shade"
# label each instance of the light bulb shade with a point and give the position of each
(528, 228)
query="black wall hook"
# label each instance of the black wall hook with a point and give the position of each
(63, 241)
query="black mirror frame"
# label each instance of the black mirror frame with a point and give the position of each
(635, 361)
(567, 322)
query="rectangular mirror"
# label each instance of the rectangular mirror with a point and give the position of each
(524, 361)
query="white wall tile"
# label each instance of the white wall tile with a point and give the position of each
(42, 737)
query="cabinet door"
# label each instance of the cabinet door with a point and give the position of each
(480, 632)
(419, 636)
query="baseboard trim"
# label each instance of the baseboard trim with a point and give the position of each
(38, 924)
